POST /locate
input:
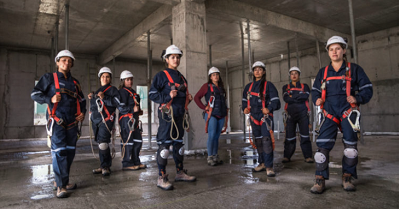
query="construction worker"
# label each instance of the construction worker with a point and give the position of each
(131, 133)
(260, 100)
(66, 107)
(334, 90)
(215, 112)
(102, 105)
(169, 89)
(295, 94)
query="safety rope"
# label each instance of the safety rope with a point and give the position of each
(131, 129)
(91, 133)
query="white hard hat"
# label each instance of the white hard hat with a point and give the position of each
(172, 50)
(105, 70)
(64, 53)
(213, 70)
(258, 63)
(126, 74)
(335, 39)
(294, 68)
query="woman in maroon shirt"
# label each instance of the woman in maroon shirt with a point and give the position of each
(215, 111)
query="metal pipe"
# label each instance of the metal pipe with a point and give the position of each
(248, 44)
(56, 38)
(288, 57)
(318, 53)
(113, 71)
(210, 56)
(353, 39)
(228, 129)
(243, 76)
(51, 55)
(149, 110)
(66, 26)
(297, 50)
(353, 33)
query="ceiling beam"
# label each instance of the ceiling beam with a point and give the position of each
(253, 13)
(169, 2)
(126, 41)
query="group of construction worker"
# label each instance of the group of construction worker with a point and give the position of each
(339, 89)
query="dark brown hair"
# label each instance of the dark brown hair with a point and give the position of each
(220, 82)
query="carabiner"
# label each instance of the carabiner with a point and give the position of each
(285, 116)
(99, 104)
(269, 125)
(50, 130)
(319, 125)
(133, 121)
(212, 99)
(356, 125)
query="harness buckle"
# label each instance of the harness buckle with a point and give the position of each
(319, 125)
(285, 116)
(356, 125)
(264, 119)
(60, 121)
(323, 85)
(111, 117)
(75, 95)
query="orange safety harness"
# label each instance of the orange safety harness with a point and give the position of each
(131, 122)
(347, 113)
(260, 122)
(210, 109)
(166, 108)
(288, 89)
(52, 113)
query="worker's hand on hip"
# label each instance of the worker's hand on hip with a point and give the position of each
(173, 93)
(319, 102)
(190, 97)
(207, 108)
(135, 109)
(246, 111)
(80, 117)
(351, 99)
(56, 98)
(265, 111)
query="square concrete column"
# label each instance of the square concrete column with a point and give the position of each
(189, 34)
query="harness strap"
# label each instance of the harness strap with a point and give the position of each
(109, 116)
(58, 91)
(132, 95)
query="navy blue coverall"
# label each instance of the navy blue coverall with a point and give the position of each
(335, 104)
(63, 141)
(159, 93)
(261, 133)
(297, 114)
(135, 141)
(111, 101)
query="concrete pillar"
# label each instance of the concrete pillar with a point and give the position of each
(189, 34)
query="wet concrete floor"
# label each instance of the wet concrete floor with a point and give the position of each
(27, 177)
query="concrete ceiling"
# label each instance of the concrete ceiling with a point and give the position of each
(107, 27)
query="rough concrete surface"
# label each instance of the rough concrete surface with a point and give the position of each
(27, 179)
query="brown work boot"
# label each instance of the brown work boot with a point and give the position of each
(163, 182)
(346, 182)
(61, 192)
(270, 172)
(182, 176)
(259, 168)
(142, 166)
(131, 168)
(309, 160)
(319, 185)
(105, 171)
(285, 160)
(97, 171)
(68, 187)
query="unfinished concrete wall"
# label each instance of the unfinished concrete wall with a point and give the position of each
(378, 55)
(20, 68)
